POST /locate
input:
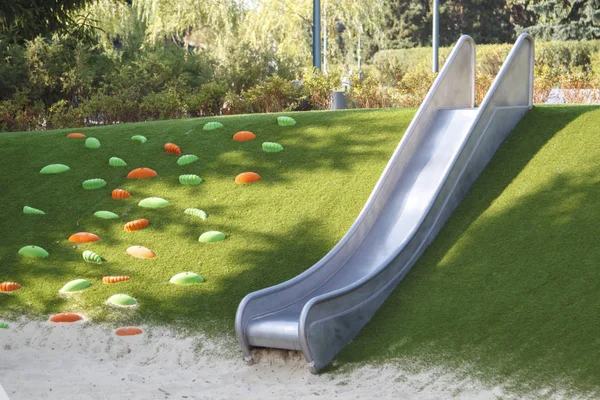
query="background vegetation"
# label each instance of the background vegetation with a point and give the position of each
(95, 62)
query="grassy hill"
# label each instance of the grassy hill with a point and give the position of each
(509, 291)
(308, 196)
(510, 288)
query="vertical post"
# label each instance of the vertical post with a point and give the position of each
(435, 34)
(359, 52)
(325, 37)
(317, 34)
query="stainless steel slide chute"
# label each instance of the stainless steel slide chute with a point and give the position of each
(442, 153)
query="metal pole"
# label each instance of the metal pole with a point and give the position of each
(325, 38)
(359, 52)
(435, 33)
(317, 34)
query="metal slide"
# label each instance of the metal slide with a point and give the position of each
(443, 151)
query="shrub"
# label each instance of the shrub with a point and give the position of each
(162, 105)
(62, 115)
(235, 103)
(371, 92)
(579, 87)
(274, 95)
(206, 101)
(415, 84)
(318, 87)
(105, 109)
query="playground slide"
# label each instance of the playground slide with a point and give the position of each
(443, 151)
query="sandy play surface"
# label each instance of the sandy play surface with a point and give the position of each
(84, 361)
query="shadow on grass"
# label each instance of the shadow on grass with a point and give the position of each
(356, 137)
(277, 259)
(508, 290)
(473, 298)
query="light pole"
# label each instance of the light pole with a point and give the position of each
(435, 34)
(317, 34)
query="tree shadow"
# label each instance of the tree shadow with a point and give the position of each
(506, 292)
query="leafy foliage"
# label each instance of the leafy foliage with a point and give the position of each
(563, 20)
(26, 19)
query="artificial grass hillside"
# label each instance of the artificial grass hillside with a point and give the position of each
(509, 291)
(308, 196)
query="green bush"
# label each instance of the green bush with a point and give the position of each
(162, 105)
(62, 115)
(273, 95)
(318, 87)
(208, 100)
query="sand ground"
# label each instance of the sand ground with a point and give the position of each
(40, 360)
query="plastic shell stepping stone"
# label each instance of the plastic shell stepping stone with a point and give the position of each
(54, 169)
(186, 278)
(247, 177)
(83, 237)
(6, 287)
(139, 138)
(75, 286)
(92, 143)
(190, 180)
(187, 159)
(119, 194)
(33, 252)
(109, 280)
(105, 215)
(66, 317)
(244, 136)
(136, 225)
(121, 300)
(33, 211)
(211, 237)
(195, 212)
(286, 121)
(272, 147)
(153, 202)
(75, 136)
(92, 184)
(140, 252)
(117, 162)
(128, 331)
(172, 148)
(209, 126)
(3, 325)
(142, 173)
(91, 257)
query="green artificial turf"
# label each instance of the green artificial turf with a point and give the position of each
(509, 291)
(307, 198)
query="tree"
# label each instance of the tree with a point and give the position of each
(208, 22)
(409, 24)
(286, 26)
(25, 19)
(563, 19)
(487, 21)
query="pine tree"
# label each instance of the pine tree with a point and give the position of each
(563, 19)
(25, 19)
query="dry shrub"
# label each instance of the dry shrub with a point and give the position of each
(482, 85)
(415, 84)
(543, 82)
(579, 87)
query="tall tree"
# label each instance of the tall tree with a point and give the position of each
(487, 21)
(180, 20)
(286, 26)
(563, 19)
(25, 19)
(409, 23)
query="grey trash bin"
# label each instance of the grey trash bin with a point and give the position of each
(338, 101)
